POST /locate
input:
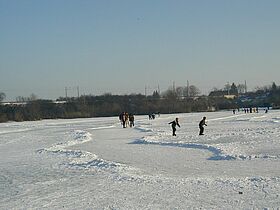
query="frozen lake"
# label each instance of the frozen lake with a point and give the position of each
(94, 163)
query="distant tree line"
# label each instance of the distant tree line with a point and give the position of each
(267, 96)
(173, 100)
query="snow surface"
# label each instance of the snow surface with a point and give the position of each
(96, 164)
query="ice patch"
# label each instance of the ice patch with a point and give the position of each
(274, 120)
(143, 129)
(217, 153)
(104, 127)
(14, 131)
(224, 118)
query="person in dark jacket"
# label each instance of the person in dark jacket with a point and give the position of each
(173, 125)
(122, 118)
(201, 124)
(131, 120)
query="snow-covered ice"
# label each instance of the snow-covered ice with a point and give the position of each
(94, 163)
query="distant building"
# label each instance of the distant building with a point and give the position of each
(14, 103)
(230, 96)
(218, 93)
(221, 94)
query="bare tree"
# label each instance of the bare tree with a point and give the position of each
(2, 96)
(170, 94)
(241, 88)
(180, 91)
(32, 97)
(233, 89)
(266, 88)
(193, 91)
(186, 92)
(273, 87)
(20, 99)
(227, 88)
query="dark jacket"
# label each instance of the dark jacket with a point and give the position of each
(202, 123)
(174, 123)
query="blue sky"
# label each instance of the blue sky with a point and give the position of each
(121, 46)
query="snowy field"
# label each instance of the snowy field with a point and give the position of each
(96, 164)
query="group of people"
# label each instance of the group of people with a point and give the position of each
(175, 123)
(250, 110)
(202, 123)
(152, 116)
(126, 119)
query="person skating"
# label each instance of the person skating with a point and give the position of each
(201, 124)
(123, 120)
(173, 125)
(126, 118)
(131, 120)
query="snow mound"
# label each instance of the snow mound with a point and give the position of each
(78, 137)
(83, 160)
